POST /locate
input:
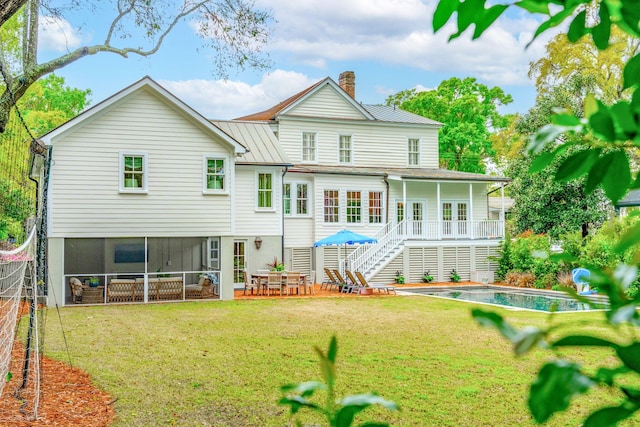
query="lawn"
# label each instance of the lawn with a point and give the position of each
(222, 363)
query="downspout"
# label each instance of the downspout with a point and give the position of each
(284, 172)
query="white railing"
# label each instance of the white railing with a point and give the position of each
(142, 293)
(388, 238)
(391, 235)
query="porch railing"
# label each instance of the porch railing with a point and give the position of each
(389, 237)
(179, 290)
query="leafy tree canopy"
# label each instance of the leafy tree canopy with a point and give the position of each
(468, 111)
(233, 29)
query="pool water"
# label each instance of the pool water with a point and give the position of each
(517, 298)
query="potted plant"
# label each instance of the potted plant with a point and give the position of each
(94, 282)
(427, 277)
(454, 276)
(276, 265)
(399, 278)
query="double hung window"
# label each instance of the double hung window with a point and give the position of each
(345, 149)
(354, 206)
(413, 152)
(296, 195)
(309, 146)
(215, 174)
(331, 208)
(265, 190)
(133, 172)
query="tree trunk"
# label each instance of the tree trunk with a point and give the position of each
(8, 8)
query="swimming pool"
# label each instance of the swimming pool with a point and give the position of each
(526, 299)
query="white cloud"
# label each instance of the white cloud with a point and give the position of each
(399, 33)
(57, 34)
(220, 99)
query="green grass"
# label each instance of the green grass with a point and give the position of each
(222, 363)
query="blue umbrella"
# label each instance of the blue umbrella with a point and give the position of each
(344, 237)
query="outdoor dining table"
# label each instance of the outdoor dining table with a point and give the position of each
(261, 280)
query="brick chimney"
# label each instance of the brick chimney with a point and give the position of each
(347, 82)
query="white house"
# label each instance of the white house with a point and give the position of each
(147, 195)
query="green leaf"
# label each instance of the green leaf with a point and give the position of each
(333, 349)
(633, 394)
(8, 376)
(443, 12)
(630, 356)
(526, 339)
(623, 117)
(590, 105)
(553, 21)
(602, 124)
(583, 340)
(631, 74)
(617, 179)
(297, 403)
(577, 164)
(557, 383)
(607, 375)
(629, 238)
(491, 319)
(534, 6)
(546, 134)
(610, 416)
(577, 28)
(602, 31)
(565, 120)
(467, 13)
(623, 314)
(487, 18)
(305, 389)
(541, 161)
(630, 13)
(368, 399)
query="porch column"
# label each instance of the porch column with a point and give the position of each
(145, 284)
(439, 211)
(404, 207)
(502, 232)
(470, 220)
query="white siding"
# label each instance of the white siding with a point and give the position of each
(326, 102)
(84, 187)
(248, 220)
(375, 144)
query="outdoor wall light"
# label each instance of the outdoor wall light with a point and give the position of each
(258, 242)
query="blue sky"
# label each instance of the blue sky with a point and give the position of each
(389, 45)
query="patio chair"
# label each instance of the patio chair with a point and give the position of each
(249, 284)
(274, 281)
(309, 283)
(293, 281)
(330, 282)
(378, 286)
(354, 285)
(343, 285)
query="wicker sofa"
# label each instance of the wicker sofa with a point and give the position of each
(132, 290)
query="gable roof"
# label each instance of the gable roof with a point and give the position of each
(148, 84)
(388, 113)
(263, 147)
(295, 100)
(631, 199)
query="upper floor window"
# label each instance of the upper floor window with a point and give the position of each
(133, 172)
(354, 206)
(308, 146)
(215, 174)
(375, 207)
(345, 149)
(297, 195)
(413, 152)
(265, 190)
(331, 206)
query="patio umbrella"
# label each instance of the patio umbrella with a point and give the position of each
(343, 238)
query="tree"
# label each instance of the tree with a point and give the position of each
(608, 129)
(233, 28)
(468, 110)
(564, 60)
(8, 8)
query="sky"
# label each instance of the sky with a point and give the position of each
(388, 44)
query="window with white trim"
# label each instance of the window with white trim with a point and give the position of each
(331, 208)
(354, 207)
(296, 195)
(308, 146)
(413, 152)
(345, 149)
(213, 253)
(265, 190)
(215, 174)
(133, 172)
(375, 207)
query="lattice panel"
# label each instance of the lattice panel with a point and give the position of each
(301, 260)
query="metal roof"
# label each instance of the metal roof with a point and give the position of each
(404, 173)
(631, 199)
(387, 113)
(264, 148)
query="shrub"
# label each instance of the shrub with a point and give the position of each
(454, 276)
(546, 281)
(525, 280)
(565, 279)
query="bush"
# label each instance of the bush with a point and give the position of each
(546, 281)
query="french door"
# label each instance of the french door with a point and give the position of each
(239, 262)
(416, 211)
(455, 215)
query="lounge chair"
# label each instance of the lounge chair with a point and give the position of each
(330, 282)
(354, 285)
(344, 286)
(378, 286)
